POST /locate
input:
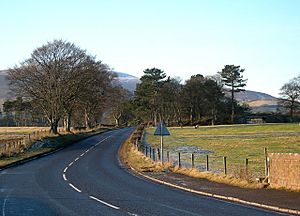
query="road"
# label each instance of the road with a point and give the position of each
(87, 179)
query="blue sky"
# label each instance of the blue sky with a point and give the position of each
(181, 37)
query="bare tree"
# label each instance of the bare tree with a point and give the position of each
(118, 97)
(290, 93)
(52, 78)
(95, 93)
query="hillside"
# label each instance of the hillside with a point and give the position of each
(127, 81)
(4, 90)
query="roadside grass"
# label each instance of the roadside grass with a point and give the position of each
(236, 142)
(15, 133)
(57, 141)
(131, 157)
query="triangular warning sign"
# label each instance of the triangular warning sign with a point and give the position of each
(161, 130)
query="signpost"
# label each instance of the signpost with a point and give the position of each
(161, 131)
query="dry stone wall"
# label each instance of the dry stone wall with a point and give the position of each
(284, 170)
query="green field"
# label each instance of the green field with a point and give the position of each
(236, 142)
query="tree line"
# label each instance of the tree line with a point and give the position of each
(61, 84)
(65, 84)
(200, 100)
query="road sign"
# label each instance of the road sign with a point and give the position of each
(161, 130)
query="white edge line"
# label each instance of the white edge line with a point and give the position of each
(75, 188)
(236, 200)
(65, 170)
(64, 176)
(70, 164)
(82, 154)
(76, 159)
(105, 203)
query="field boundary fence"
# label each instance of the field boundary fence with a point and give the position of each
(244, 168)
(20, 144)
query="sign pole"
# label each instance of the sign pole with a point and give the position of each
(161, 149)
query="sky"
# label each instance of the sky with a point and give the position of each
(181, 37)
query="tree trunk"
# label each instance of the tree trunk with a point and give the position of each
(292, 109)
(232, 104)
(87, 119)
(213, 117)
(68, 126)
(54, 126)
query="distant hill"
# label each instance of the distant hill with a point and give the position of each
(4, 90)
(247, 96)
(258, 101)
(127, 81)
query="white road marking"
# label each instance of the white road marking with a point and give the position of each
(4, 205)
(75, 188)
(132, 214)
(70, 164)
(105, 203)
(87, 150)
(82, 154)
(65, 170)
(76, 159)
(64, 176)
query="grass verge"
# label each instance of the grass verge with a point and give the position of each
(59, 142)
(131, 157)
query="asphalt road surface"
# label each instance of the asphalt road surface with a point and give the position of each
(87, 179)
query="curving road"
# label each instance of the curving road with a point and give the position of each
(87, 179)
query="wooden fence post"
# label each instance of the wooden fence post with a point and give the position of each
(179, 161)
(246, 169)
(168, 156)
(192, 160)
(158, 154)
(266, 162)
(225, 165)
(153, 154)
(207, 164)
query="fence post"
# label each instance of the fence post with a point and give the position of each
(207, 165)
(150, 150)
(225, 165)
(247, 162)
(146, 148)
(168, 156)
(158, 154)
(266, 162)
(192, 160)
(153, 154)
(179, 161)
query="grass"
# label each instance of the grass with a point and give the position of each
(57, 141)
(133, 158)
(236, 142)
(8, 134)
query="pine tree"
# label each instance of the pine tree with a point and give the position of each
(233, 78)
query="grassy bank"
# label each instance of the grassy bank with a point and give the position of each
(54, 142)
(131, 157)
(236, 142)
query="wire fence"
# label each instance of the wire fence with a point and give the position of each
(248, 168)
